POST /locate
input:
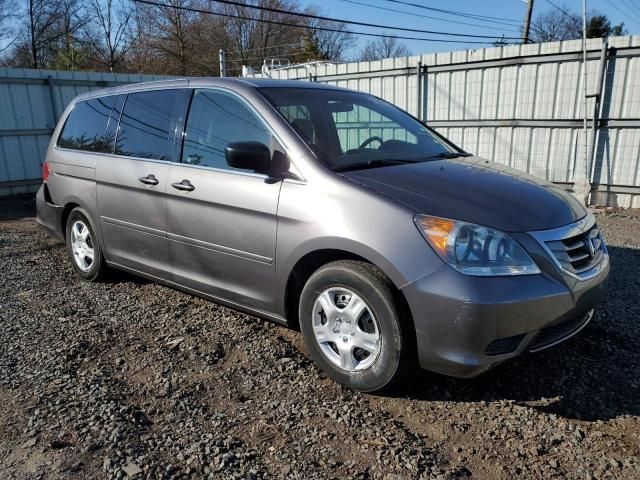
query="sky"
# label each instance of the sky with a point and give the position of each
(507, 11)
(627, 11)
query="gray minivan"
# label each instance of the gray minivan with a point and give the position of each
(326, 208)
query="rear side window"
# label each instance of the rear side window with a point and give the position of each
(86, 125)
(145, 125)
(215, 120)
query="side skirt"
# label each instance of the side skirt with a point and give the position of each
(228, 303)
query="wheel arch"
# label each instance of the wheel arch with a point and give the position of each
(68, 208)
(312, 260)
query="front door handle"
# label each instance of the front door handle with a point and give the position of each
(149, 179)
(184, 185)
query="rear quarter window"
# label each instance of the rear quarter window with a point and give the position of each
(85, 127)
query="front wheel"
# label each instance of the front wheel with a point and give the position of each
(352, 326)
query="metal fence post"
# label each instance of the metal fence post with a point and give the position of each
(52, 99)
(419, 90)
(599, 95)
(223, 63)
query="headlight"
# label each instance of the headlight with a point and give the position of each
(474, 249)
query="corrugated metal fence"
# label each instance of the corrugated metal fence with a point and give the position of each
(520, 105)
(31, 101)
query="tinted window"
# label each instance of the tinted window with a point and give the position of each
(86, 125)
(362, 123)
(145, 125)
(112, 125)
(215, 120)
(300, 118)
(348, 129)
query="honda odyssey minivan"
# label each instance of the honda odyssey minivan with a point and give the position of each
(326, 208)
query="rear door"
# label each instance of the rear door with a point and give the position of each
(221, 221)
(131, 182)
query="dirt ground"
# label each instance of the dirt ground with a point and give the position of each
(127, 378)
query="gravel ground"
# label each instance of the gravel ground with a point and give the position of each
(127, 378)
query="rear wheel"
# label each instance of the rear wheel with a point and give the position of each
(83, 246)
(353, 327)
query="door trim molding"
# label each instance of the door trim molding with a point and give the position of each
(218, 248)
(134, 226)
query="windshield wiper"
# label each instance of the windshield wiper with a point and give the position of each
(450, 155)
(384, 162)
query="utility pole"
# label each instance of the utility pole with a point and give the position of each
(223, 66)
(527, 22)
(581, 181)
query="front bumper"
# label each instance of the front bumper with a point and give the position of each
(465, 324)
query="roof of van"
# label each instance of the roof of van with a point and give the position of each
(238, 83)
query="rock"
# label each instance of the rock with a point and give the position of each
(30, 443)
(131, 469)
(175, 343)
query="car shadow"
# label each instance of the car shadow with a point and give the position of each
(117, 277)
(15, 208)
(592, 376)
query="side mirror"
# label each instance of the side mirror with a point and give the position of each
(248, 156)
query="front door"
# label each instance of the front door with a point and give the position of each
(221, 221)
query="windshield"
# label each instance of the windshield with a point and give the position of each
(351, 130)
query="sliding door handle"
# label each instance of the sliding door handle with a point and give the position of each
(184, 185)
(149, 179)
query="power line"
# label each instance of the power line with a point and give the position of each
(561, 10)
(632, 6)
(572, 17)
(353, 22)
(452, 12)
(413, 14)
(308, 27)
(296, 44)
(625, 13)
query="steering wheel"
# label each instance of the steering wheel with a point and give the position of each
(369, 140)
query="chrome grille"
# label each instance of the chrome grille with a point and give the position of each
(580, 253)
(577, 249)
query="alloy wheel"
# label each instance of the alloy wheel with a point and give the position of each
(346, 329)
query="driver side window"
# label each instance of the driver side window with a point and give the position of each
(361, 124)
(216, 119)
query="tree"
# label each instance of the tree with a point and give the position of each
(254, 37)
(326, 44)
(600, 26)
(166, 32)
(557, 25)
(42, 16)
(384, 47)
(109, 32)
(500, 42)
(71, 20)
(7, 34)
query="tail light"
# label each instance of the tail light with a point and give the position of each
(45, 172)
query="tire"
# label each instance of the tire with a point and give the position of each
(84, 247)
(366, 345)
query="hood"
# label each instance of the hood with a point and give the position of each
(475, 190)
